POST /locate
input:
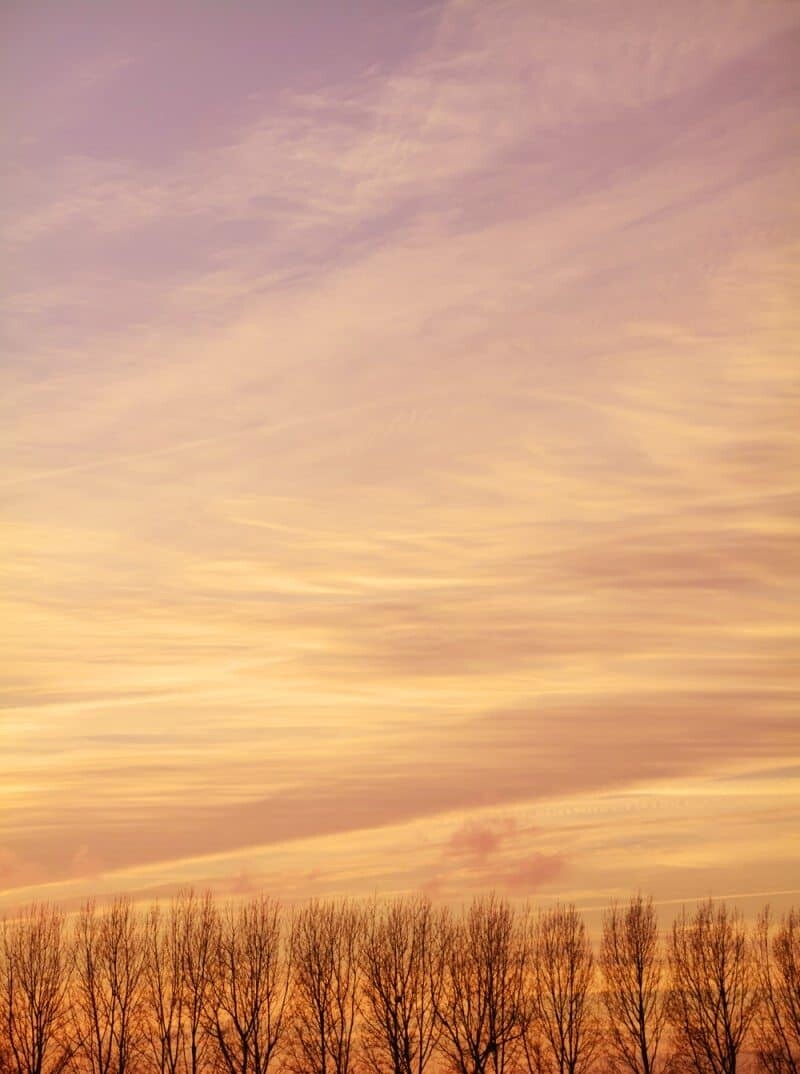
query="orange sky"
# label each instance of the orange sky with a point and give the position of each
(399, 450)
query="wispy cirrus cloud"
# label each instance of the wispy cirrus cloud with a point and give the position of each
(413, 438)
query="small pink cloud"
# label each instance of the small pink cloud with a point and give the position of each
(492, 854)
(478, 841)
(531, 873)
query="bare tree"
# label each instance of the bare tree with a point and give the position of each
(633, 993)
(778, 1020)
(199, 926)
(563, 1031)
(713, 994)
(326, 941)
(481, 1004)
(164, 990)
(34, 978)
(108, 963)
(401, 962)
(248, 987)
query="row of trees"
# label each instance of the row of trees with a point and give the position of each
(401, 988)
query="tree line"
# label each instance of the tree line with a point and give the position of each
(396, 987)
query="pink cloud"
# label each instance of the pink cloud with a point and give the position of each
(479, 840)
(492, 854)
(531, 873)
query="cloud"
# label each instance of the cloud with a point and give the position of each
(416, 439)
(478, 841)
(495, 759)
(530, 874)
(493, 853)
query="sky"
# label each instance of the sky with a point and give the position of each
(399, 449)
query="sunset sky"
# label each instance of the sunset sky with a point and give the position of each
(399, 449)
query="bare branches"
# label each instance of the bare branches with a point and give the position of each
(198, 925)
(107, 1002)
(401, 961)
(248, 986)
(482, 1006)
(34, 979)
(564, 1026)
(165, 994)
(713, 996)
(395, 988)
(777, 1030)
(326, 941)
(632, 966)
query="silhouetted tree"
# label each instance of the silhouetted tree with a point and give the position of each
(563, 1030)
(164, 988)
(633, 993)
(34, 978)
(193, 989)
(248, 986)
(326, 941)
(778, 1022)
(713, 994)
(401, 970)
(199, 926)
(481, 1004)
(107, 994)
